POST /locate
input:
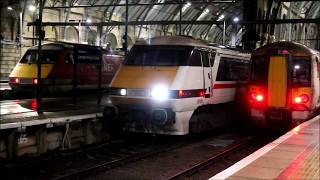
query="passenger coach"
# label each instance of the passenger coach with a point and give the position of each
(284, 84)
(176, 85)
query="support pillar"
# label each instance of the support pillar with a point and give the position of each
(250, 14)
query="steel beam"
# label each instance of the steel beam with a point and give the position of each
(275, 21)
(138, 4)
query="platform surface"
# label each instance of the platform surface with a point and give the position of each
(14, 113)
(294, 155)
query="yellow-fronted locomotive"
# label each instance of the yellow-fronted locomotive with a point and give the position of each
(284, 84)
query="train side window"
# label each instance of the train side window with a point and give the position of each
(205, 58)
(195, 58)
(239, 69)
(223, 70)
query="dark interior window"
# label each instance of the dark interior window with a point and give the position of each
(31, 56)
(301, 70)
(159, 55)
(195, 58)
(258, 71)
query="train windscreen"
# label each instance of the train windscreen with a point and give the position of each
(31, 56)
(301, 70)
(258, 70)
(158, 55)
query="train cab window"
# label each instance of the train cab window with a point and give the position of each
(205, 58)
(301, 70)
(195, 58)
(31, 57)
(259, 68)
(159, 55)
(212, 58)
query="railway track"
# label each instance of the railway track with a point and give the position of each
(211, 160)
(116, 163)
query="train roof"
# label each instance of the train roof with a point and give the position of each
(172, 40)
(67, 45)
(294, 48)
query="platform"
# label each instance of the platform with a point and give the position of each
(294, 155)
(59, 125)
(23, 113)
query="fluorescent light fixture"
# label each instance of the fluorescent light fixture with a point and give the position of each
(89, 20)
(221, 17)
(236, 19)
(9, 8)
(188, 4)
(32, 8)
(206, 11)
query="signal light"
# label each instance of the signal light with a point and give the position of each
(302, 99)
(35, 81)
(259, 97)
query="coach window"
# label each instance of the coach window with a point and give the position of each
(195, 58)
(239, 69)
(223, 70)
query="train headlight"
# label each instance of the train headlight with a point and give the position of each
(160, 92)
(118, 91)
(123, 92)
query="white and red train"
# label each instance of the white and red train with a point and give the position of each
(176, 85)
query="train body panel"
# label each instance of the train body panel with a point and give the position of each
(166, 80)
(284, 84)
(57, 69)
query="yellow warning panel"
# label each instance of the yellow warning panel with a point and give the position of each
(277, 81)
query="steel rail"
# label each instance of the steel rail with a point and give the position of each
(116, 163)
(203, 164)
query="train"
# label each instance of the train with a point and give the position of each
(283, 85)
(176, 85)
(59, 63)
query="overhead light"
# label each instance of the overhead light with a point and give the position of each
(188, 4)
(9, 8)
(236, 19)
(32, 8)
(206, 10)
(221, 17)
(88, 20)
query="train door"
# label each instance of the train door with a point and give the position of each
(277, 81)
(207, 74)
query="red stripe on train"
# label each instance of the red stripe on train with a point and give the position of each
(222, 86)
